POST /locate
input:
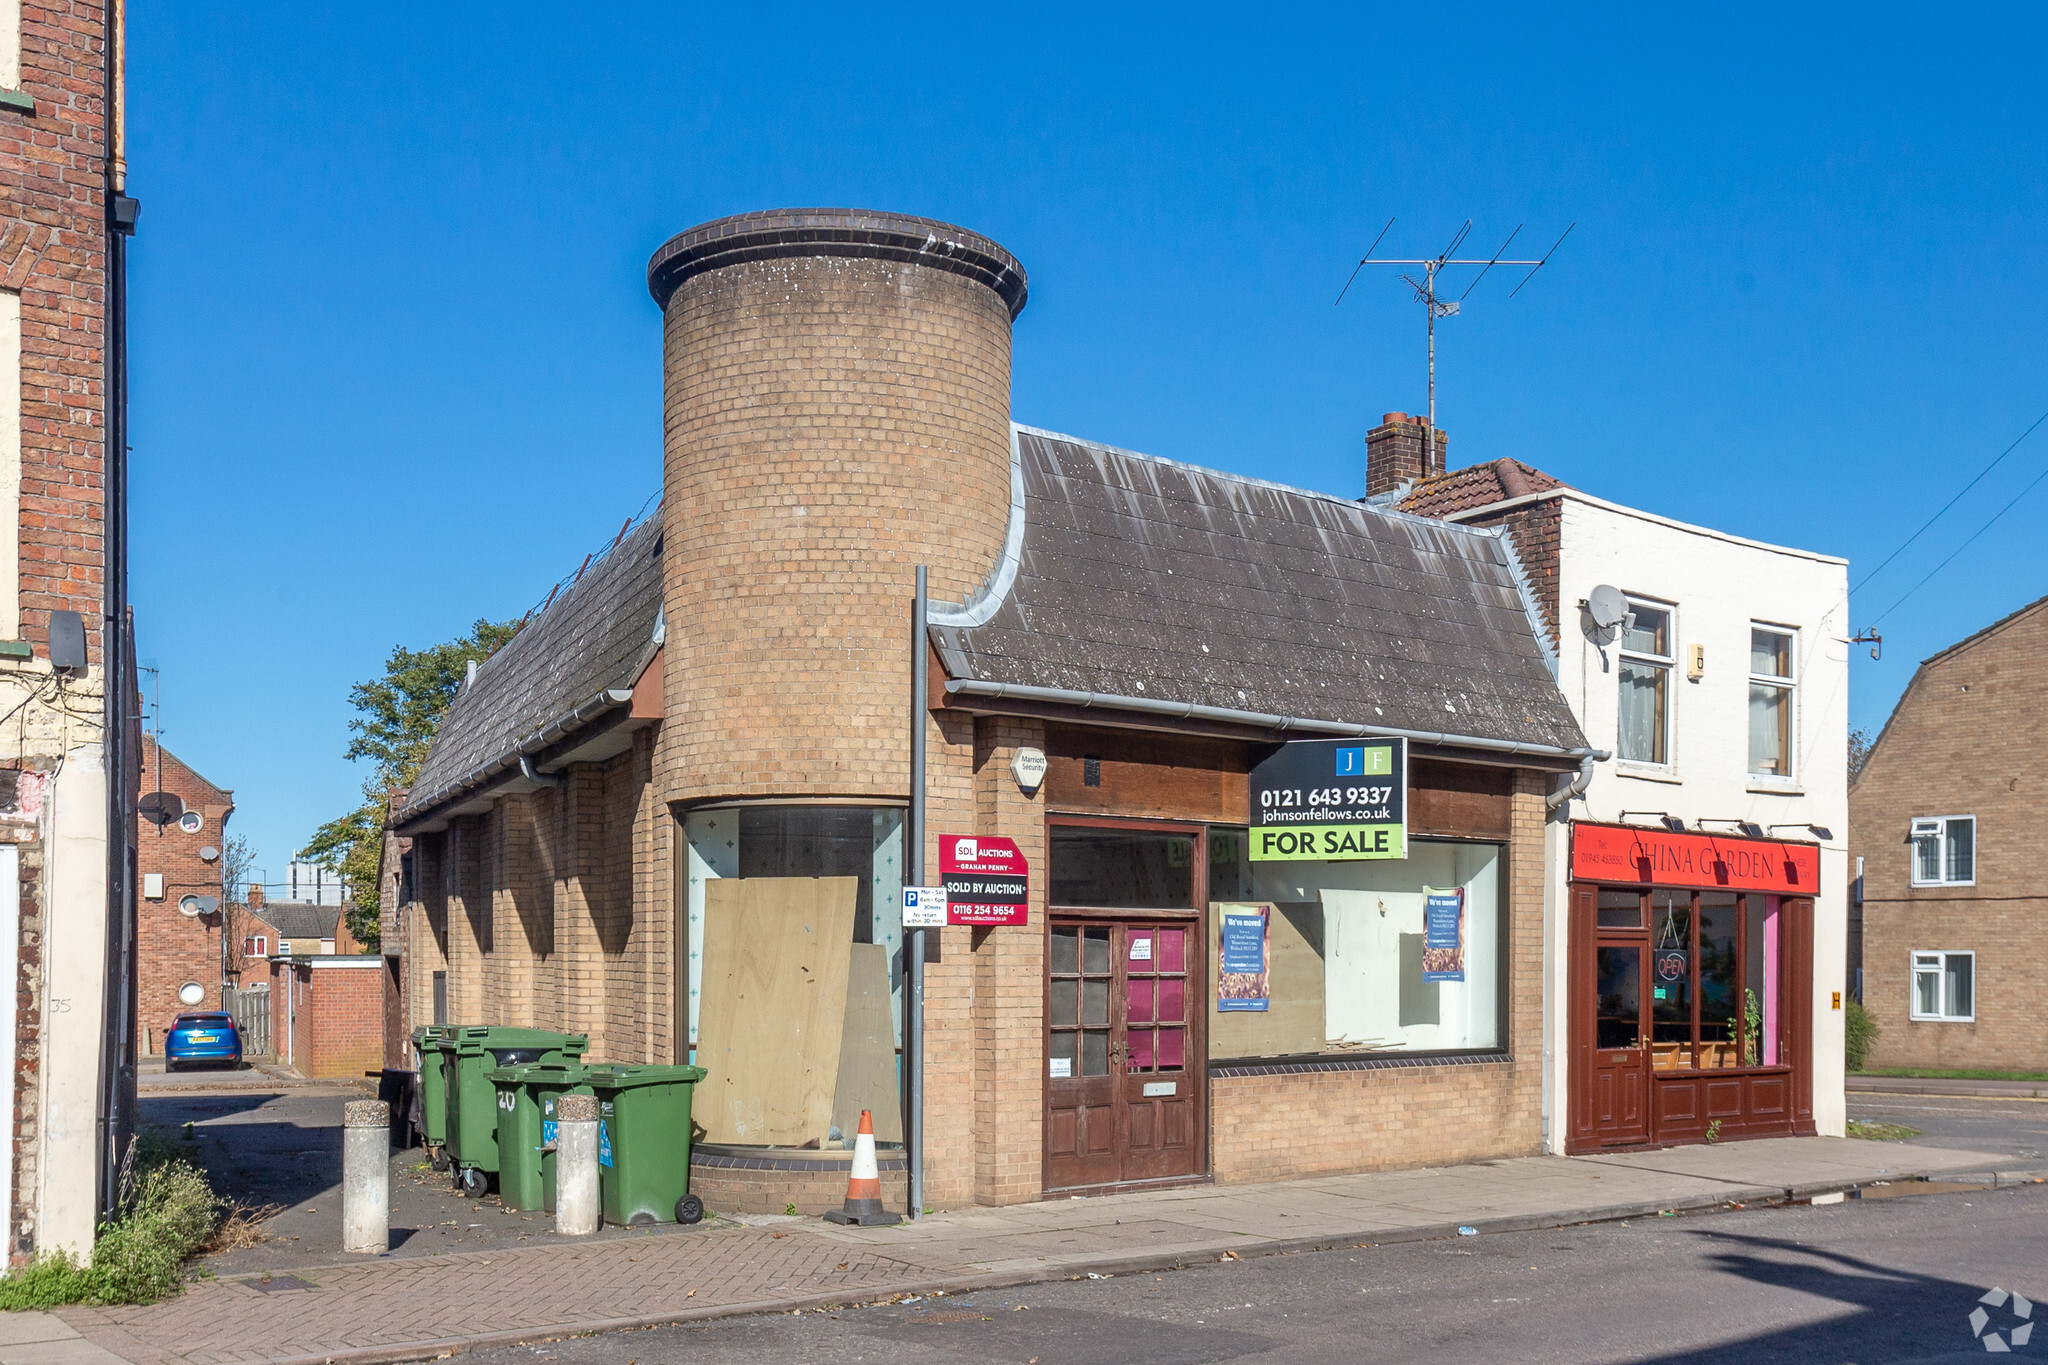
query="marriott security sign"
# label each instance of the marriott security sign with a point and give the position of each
(1331, 799)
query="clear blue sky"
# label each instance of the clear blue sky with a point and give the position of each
(395, 366)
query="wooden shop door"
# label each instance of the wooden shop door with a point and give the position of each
(1620, 1071)
(1124, 1080)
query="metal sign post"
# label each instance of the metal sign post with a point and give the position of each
(913, 1029)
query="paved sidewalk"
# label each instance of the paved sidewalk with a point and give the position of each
(1929, 1085)
(417, 1308)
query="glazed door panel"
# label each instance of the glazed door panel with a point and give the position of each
(1124, 1097)
(1621, 1043)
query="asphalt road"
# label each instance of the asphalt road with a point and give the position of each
(1870, 1282)
(2015, 1127)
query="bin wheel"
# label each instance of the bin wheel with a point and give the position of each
(438, 1158)
(473, 1183)
(689, 1209)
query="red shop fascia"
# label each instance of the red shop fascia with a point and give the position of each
(1689, 987)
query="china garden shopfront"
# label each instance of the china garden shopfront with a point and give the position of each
(1689, 953)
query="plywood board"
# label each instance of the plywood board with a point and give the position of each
(867, 1049)
(1292, 1024)
(773, 1008)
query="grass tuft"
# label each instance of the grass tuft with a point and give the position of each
(167, 1212)
(1881, 1132)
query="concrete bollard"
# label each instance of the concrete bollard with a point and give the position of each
(366, 1176)
(579, 1208)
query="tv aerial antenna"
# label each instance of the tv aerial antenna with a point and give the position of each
(1434, 304)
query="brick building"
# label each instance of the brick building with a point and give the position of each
(1119, 650)
(68, 772)
(1944, 824)
(1698, 884)
(180, 961)
(327, 1014)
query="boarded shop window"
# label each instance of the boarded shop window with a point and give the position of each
(1358, 957)
(863, 842)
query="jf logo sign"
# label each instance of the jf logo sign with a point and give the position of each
(1327, 799)
(987, 880)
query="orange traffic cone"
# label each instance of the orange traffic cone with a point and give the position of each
(864, 1184)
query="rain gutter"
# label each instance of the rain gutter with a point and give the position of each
(519, 756)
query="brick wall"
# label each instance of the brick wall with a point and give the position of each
(172, 948)
(327, 1016)
(831, 423)
(1400, 451)
(1965, 739)
(1533, 528)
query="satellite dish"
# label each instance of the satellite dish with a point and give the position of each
(160, 808)
(209, 854)
(198, 905)
(1607, 606)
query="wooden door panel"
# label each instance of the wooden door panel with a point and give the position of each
(1161, 1083)
(1617, 1027)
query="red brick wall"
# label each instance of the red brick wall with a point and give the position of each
(171, 948)
(1533, 528)
(335, 1011)
(53, 252)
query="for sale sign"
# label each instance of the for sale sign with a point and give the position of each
(987, 881)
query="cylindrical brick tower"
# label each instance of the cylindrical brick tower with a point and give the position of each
(837, 411)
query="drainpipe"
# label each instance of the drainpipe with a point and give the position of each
(913, 1024)
(535, 776)
(1576, 788)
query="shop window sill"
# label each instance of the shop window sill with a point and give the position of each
(1385, 1061)
(19, 100)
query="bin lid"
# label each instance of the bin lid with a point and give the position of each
(618, 1077)
(536, 1073)
(493, 1038)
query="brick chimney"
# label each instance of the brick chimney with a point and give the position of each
(255, 897)
(1398, 452)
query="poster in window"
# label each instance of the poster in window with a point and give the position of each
(1244, 949)
(1443, 934)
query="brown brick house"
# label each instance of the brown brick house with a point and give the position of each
(67, 903)
(1118, 646)
(1946, 823)
(179, 955)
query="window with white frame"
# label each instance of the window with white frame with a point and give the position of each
(1646, 660)
(1770, 701)
(1945, 986)
(1945, 850)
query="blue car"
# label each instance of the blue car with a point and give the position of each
(210, 1038)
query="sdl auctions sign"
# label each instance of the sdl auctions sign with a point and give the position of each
(987, 880)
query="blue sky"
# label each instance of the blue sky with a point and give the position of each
(395, 366)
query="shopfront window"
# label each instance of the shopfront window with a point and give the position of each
(1128, 869)
(1353, 958)
(1715, 979)
(863, 842)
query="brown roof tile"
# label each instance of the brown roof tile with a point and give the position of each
(1477, 485)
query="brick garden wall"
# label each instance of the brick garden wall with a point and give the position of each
(1965, 739)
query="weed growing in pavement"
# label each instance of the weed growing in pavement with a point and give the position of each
(167, 1212)
(1881, 1132)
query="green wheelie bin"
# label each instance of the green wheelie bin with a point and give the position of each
(643, 1142)
(473, 1053)
(526, 1129)
(426, 1045)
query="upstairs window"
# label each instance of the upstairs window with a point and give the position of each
(1945, 851)
(1945, 986)
(1770, 702)
(1646, 661)
(256, 945)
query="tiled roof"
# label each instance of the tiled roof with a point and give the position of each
(295, 919)
(1477, 485)
(1137, 577)
(596, 636)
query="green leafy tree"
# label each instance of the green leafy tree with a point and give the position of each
(396, 717)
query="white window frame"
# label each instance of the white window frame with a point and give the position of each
(1668, 662)
(1940, 969)
(1914, 831)
(1788, 683)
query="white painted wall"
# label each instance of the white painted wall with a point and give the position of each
(1718, 584)
(73, 1002)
